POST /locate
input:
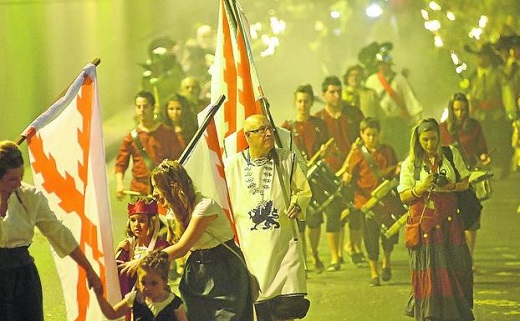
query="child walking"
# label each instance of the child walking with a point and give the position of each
(367, 168)
(152, 299)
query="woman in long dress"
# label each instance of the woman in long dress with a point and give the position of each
(442, 280)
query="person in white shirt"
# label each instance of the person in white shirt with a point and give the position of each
(439, 257)
(400, 109)
(22, 208)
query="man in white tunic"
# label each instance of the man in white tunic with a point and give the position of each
(265, 220)
(400, 109)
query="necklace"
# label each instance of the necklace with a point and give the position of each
(261, 161)
(266, 167)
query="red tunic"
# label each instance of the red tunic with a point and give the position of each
(344, 130)
(468, 138)
(364, 178)
(159, 144)
(308, 135)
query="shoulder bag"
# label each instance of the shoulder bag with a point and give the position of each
(254, 285)
(468, 203)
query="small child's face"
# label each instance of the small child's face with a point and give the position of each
(139, 224)
(151, 285)
(370, 137)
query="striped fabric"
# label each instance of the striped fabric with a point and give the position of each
(441, 275)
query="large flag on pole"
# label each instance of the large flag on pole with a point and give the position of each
(66, 151)
(234, 75)
(206, 166)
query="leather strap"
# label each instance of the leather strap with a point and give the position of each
(371, 162)
(148, 161)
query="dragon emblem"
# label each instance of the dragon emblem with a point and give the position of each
(264, 213)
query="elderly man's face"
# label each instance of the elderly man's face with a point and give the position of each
(259, 135)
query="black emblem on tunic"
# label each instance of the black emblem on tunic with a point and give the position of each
(264, 213)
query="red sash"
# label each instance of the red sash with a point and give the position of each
(391, 92)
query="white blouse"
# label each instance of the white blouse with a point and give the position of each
(407, 179)
(32, 209)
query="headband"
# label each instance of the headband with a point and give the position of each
(429, 124)
(143, 207)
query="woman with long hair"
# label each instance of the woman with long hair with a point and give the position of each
(440, 262)
(466, 134)
(215, 282)
(177, 114)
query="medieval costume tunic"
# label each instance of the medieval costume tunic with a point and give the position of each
(308, 135)
(399, 109)
(144, 310)
(365, 180)
(155, 146)
(344, 130)
(441, 275)
(264, 230)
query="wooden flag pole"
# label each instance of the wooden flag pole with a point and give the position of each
(198, 134)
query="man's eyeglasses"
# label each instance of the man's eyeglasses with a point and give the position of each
(261, 130)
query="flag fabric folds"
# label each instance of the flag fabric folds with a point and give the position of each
(234, 75)
(66, 151)
(206, 167)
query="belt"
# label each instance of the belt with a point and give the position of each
(214, 254)
(15, 257)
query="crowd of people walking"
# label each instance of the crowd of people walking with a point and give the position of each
(365, 160)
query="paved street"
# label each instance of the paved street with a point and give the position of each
(345, 295)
